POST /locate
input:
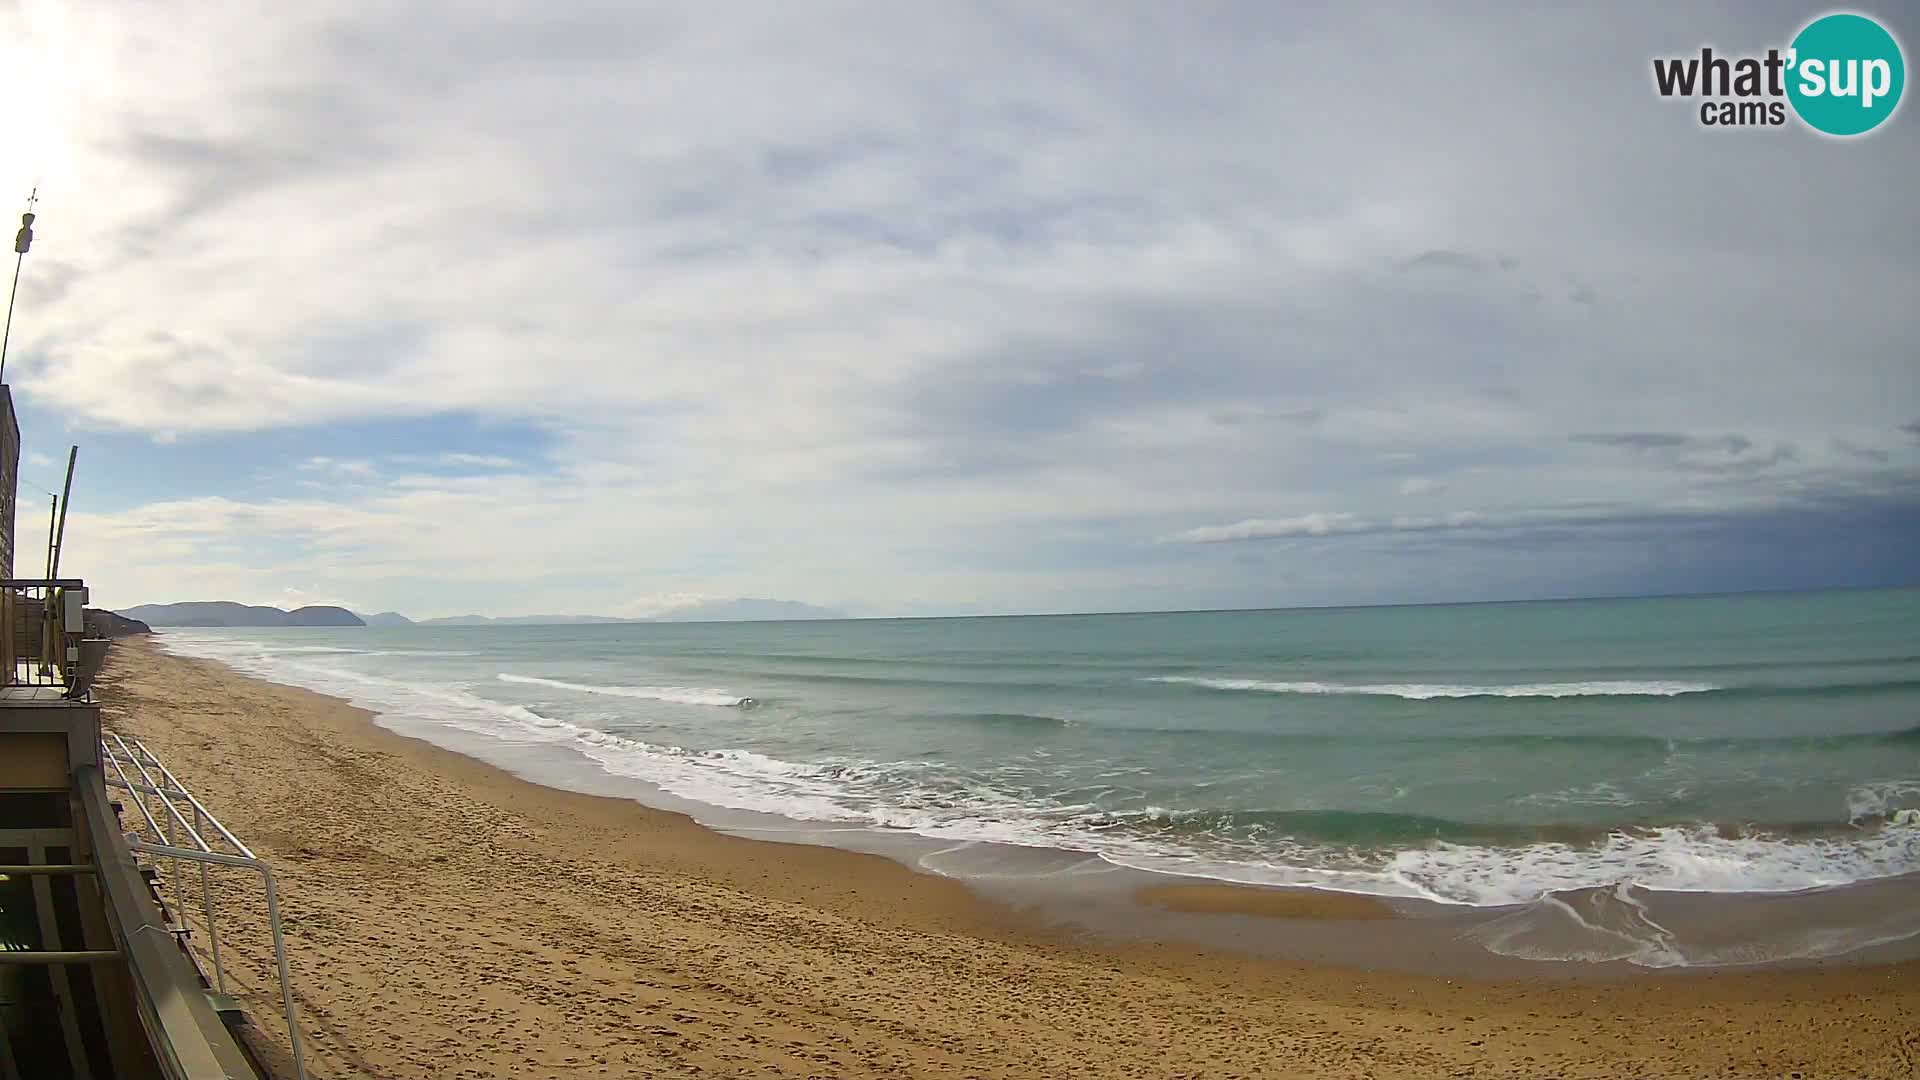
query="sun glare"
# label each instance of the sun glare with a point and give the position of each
(40, 73)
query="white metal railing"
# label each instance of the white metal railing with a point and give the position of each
(170, 834)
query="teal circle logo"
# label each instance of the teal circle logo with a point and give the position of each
(1845, 74)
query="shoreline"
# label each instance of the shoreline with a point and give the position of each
(436, 901)
(1595, 932)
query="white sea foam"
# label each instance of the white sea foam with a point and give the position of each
(1598, 793)
(1673, 859)
(683, 695)
(1880, 799)
(276, 649)
(1425, 691)
(222, 648)
(1620, 923)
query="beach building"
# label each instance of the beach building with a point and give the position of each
(9, 477)
(108, 927)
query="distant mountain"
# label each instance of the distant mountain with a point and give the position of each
(747, 609)
(225, 613)
(520, 620)
(322, 615)
(108, 625)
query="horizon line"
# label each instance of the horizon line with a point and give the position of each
(616, 620)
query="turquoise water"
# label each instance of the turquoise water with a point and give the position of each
(1483, 755)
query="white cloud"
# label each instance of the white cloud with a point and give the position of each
(1315, 524)
(810, 306)
(353, 468)
(477, 461)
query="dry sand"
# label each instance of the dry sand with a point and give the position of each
(448, 920)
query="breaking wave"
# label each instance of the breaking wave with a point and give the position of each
(681, 695)
(1587, 880)
(1426, 691)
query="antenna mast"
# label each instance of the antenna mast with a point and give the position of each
(22, 240)
(60, 534)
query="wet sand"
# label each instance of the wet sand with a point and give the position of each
(1206, 899)
(446, 919)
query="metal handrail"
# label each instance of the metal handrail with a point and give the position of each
(181, 790)
(193, 830)
(46, 956)
(162, 794)
(203, 855)
(139, 804)
(167, 836)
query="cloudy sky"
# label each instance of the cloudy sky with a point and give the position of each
(921, 309)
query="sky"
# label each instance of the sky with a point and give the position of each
(947, 309)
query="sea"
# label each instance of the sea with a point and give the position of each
(1571, 761)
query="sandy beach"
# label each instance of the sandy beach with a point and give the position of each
(446, 919)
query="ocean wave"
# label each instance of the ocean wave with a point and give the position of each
(1679, 858)
(907, 678)
(1623, 923)
(1434, 859)
(1382, 830)
(419, 652)
(306, 649)
(1426, 691)
(1882, 799)
(1004, 719)
(1370, 828)
(221, 648)
(1670, 859)
(1594, 688)
(1393, 855)
(680, 695)
(1874, 662)
(1549, 740)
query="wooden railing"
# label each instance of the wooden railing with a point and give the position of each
(42, 625)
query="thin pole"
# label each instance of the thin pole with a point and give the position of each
(206, 904)
(53, 574)
(66, 498)
(46, 605)
(8, 336)
(22, 240)
(286, 981)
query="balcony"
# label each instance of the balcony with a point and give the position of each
(49, 656)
